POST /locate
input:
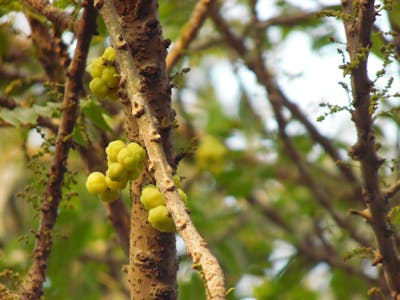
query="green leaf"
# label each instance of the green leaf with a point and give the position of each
(95, 112)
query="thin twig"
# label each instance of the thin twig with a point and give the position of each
(189, 32)
(158, 164)
(32, 287)
(392, 190)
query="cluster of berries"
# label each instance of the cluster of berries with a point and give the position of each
(153, 201)
(125, 162)
(105, 75)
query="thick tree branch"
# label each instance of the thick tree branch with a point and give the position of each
(188, 33)
(134, 78)
(32, 287)
(358, 35)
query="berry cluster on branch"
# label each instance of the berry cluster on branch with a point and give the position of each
(125, 162)
(153, 201)
(105, 75)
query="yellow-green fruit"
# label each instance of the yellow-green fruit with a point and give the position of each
(109, 54)
(210, 155)
(96, 183)
(183, 195)
(113, 149)
(127, 158)
(151, 197)
(98, 87)
(116, 185)
(110, 76)
(177, 181)
(96, 67)
(116, 172)
(133, 174)
(138, 150)
(160, 219)
(109, 195)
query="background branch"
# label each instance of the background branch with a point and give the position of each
(32, 287)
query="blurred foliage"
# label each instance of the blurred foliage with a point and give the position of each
(247, 199)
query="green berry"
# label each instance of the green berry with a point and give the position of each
(177, 181)
(133, 174)
(109, 195)
(96, 67)
(115, 185)
(113, 149)
(183, 196)
(96, 183)
(210, 155)
(110, 76)
(159, 218)
(98, 87)
(116, 172)
(127, 158)
(109, 54)
(138, 150)
(151, 197)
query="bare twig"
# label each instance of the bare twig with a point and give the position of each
(307, 248)
(134, 77)
(358, 35)
(188, 33)
(32, 287)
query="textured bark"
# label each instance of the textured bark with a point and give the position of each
(153, 263)
(145, 81)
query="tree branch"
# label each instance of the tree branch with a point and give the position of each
(134, 77)
(358, 35)
(189, 32)
(60, 19)
(256, 64)
(32, 287)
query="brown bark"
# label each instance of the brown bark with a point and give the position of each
(358, 34)
(32, 287)
(152, 260)
(141, 73)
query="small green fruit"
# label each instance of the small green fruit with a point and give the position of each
(113, 149)
(109, 195)
(98, 87)
(151, 197)
(96, 183)
(109, 54)
(177, 181)
(115, 185)
(110, 76)
(127, 158)
(116, 172)
(133, 174)
(96, 67)
(138, 150)
(210, 155)
(159, 218)
(183, 196)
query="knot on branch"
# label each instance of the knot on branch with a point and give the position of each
(163, 292)
(144, 260)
